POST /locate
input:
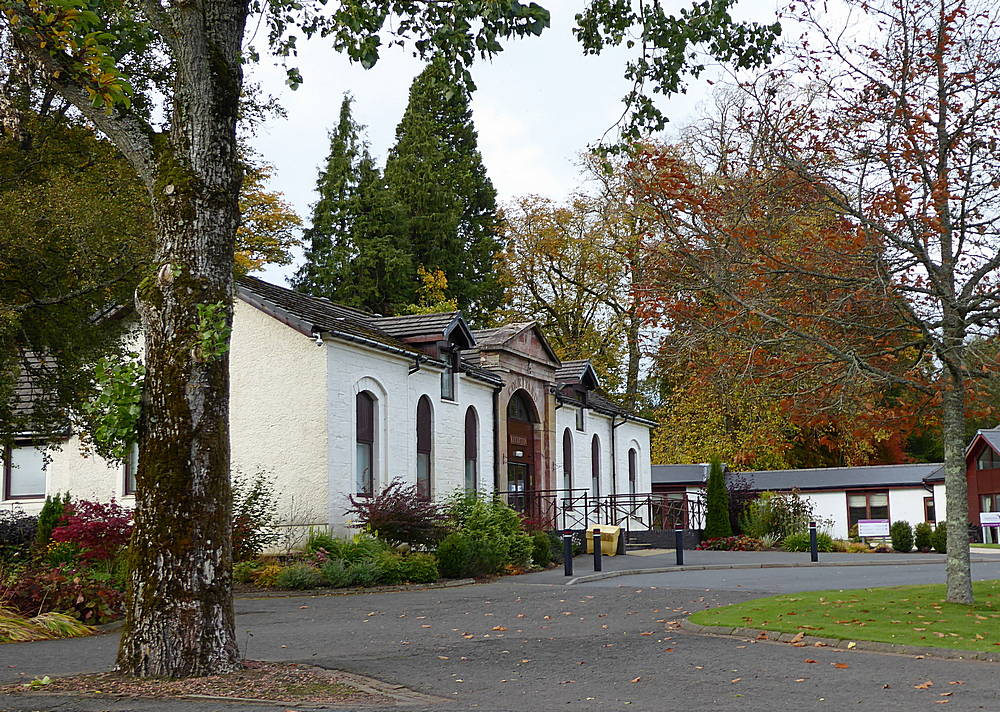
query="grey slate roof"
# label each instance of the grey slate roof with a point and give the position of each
(680, 474)
(991, 436)
(572, 370)
(910, 475)
(408, 325)
(599, 402)
(310, 314)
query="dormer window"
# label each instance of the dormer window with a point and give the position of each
(448, 377)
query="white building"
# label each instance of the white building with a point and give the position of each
(333, 401)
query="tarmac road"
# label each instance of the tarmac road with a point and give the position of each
(518, 645)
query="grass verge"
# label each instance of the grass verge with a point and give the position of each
(907, 615)
(985, 546)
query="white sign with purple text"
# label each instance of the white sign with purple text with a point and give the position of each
(873, 527)
(989, 519)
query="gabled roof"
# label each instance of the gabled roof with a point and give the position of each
(990, 436)
(602, 404)
(448, 326)
(825, 478)
(500, 337)
(580, 371)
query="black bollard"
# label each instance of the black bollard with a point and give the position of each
(813, 548)
(597, 550)
(679, 545)
(568, 553)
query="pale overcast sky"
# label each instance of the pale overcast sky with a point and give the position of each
(538, 105)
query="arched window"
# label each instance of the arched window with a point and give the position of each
(520, 408)
(424, 430)
(595, 467)
(633, 457)
(364, 473)
(471, 450)
(567, 459)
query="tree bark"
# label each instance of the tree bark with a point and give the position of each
(179, 611)
(956, 490)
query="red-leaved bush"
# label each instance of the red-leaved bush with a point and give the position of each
(99, 529)
(732, 543)
(66, 590)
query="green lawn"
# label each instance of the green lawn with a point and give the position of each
(986, 546)
(910, 615)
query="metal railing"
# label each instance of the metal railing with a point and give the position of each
(576, 509)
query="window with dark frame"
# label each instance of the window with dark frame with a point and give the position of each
(23, 472)
(364, 475)
(988, 459)
(929, 514)
(867, 505)
(633, 457)
(580, 418)
(595, 467)
(567, 457)
(448, 377)
(424, 445)
(471, 450)
(130, 467)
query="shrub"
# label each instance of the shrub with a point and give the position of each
(101, 530)
(335, 573)
(800, 542)
(849, 547)
(902, 536)
(365, 573)
(454, 555)
(64, 590)
(419, 568)
(266, 576)
(541, 549)
(60, 553)
(780, 513)
(48, 519)
(243, 571)
(323, 540)
(299, 577)
(939, 539)
(399, 516)
(255, 519)
(731, 543)
(17, 534)
(493, 530)
(922, 534)
(717, 525)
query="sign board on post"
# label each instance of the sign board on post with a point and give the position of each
(989, 519)
(873, 527)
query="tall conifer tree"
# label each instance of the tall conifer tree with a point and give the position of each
(357, 254)
(435, 174)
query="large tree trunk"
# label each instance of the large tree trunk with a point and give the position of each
(956, 489)
(179, 610)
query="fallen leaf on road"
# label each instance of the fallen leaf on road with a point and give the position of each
(442, 657)
(301, 607)
(923, 685)
(736, 679)
(946, 694)
(635, 679)
(668, 650)
(810, 660)
(498, 627)
(801, 679)
(851, 645)
(841, 666)
(797, 638)
(957, 682)
(647, 633)
(425, 626)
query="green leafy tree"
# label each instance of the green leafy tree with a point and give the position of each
(436, 176)
(717, 522)
(356, 254)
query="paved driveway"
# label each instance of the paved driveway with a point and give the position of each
(517, 645)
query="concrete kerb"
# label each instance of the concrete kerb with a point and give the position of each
(722, 567)
(312, 592)
(868, 646)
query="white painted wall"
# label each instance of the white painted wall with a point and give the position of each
(905, 504)
(352, 369)
(278, 411)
